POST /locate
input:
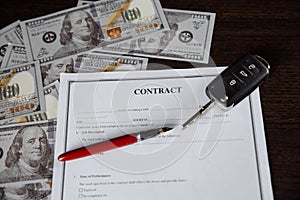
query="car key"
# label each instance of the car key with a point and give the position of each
(235, 83)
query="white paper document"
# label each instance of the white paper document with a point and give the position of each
(222, 155)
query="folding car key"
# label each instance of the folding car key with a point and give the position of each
(235, 83)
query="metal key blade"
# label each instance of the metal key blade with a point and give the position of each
(197, 114)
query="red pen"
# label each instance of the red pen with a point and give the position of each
(111, 144)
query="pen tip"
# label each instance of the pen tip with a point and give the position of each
(61, 158)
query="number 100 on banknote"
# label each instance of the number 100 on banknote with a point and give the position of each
(21, 91)
(83, 28)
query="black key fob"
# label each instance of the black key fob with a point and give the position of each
(238, 80)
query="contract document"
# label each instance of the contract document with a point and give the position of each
(222, 155)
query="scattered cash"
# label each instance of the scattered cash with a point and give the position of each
(15, 54)
(101, 62)
(189, 38)
(97, 36)
(83, 62)
(21, 91)
(26, 171)
(90, 62)
(10, 34)
(82, 28)
(51, 92)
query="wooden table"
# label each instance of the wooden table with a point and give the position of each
(268, 28)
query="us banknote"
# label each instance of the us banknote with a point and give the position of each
(102, 62)
(51, 100)
(10, 34)
(15, 54)
(189, 38)
(89, 62)
(21, 91)
(26, 160)
(82, 28)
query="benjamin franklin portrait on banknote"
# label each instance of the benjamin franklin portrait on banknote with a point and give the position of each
(51, 71)
(156, 43)
(79, 32)
(29, 191)
(28, 157)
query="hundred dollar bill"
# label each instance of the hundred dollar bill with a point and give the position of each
(82, 28)
(51, 100)
(89, 62)
(189, 38)
(26, 160)
(10, 34)
(15, 54)
(102, 62)
(21, 91)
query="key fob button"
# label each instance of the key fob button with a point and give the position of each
(233, 83)
(244, 75)
(251, 65)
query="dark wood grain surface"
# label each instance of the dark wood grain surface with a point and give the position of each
(268, 28)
